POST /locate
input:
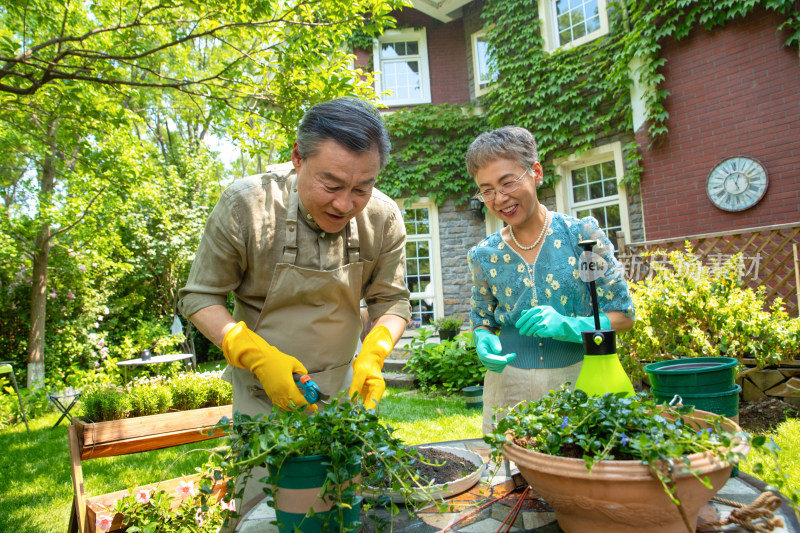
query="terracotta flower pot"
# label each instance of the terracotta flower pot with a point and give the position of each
(620, 496)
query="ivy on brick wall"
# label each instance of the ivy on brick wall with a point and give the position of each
(569, 97)
(429, 145)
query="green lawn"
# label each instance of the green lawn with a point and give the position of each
(36, 494)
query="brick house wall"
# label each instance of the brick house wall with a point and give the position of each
(733, 91)
(459, 231)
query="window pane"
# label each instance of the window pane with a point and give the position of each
(579, 176)
(593, 173)
(412, 48)
(578, 31)
(595, 190)
(485, 63)
(610, 187)
(389, 50)
(580, 193)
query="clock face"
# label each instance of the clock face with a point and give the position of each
(737, 183)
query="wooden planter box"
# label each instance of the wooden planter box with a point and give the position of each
(91, 440)
(144, 433)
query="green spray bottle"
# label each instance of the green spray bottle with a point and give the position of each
(601, 371)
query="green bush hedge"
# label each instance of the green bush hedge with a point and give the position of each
(689, 309)
(156, 395)
(448, 366)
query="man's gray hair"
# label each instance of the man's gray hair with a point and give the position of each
(351, 122)
(508, 142)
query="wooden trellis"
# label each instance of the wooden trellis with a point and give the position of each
(769, 257)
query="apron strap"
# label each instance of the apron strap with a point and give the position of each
(353, 254)
(290, 243)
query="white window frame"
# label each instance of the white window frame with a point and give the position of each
(410, 34)
(435, 251)
(601, 154)
(476, 71)
(547, 14)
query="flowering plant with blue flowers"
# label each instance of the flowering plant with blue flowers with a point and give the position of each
(573, 424)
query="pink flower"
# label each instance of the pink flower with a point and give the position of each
(96, 364)
(70, 295)
(63, 307)
(103, 522)
(96, 325)
(228, 506)
(185, 488)
(104, 352)
(198, 518)
(101, 342)
(143, 496)
(53, 294)
(81, 269)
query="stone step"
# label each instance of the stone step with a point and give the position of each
(394, 365)
(403, 381)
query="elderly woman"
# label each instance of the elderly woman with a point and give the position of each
(529, 304)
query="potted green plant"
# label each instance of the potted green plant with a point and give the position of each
(315, 479)
(448, 326)
(615, 464)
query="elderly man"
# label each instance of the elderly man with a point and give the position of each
(299, 247)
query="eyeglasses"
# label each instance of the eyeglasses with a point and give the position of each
(489, 194)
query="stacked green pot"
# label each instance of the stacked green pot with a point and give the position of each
(707, 383)
(298, 491)
(473, 396)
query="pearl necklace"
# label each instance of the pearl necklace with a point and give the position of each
(539, 238)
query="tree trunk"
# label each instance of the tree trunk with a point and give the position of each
(41, 259)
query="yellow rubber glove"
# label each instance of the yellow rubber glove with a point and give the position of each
(244, 349)
(367, 377)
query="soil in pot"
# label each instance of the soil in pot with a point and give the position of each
(444, 468)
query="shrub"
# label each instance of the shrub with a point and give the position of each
(196, 390)
(105, 402)
(688, 309)
(448, 323)
(156, 395)
(150, 399)
(449, 365)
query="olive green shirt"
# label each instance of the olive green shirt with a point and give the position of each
(244, 240)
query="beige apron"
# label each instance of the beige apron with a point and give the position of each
(514, 385)
(310, 314)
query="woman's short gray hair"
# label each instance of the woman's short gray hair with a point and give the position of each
(351, 122)
(508, 142)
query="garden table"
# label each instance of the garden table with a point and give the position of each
(156, 359)
(485, 507)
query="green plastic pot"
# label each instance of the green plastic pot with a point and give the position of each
(473, 396)
(299, 484)
(720, 403)
(695, 375)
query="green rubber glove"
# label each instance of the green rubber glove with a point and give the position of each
(490, 350)
(244, 349)
(544, 321)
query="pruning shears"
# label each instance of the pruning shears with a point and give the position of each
(310, 390)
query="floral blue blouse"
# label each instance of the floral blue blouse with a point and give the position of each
(504, 285)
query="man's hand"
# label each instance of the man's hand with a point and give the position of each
(544, 321)
(244, 349)
(490, 350)
(367, 377)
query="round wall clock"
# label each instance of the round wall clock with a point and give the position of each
(737, 183)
